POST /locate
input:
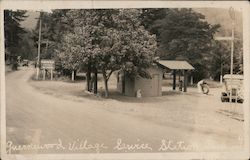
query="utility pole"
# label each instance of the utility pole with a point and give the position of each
(39, 47)
(232, 16)
(232, 38)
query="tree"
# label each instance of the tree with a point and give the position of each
(71, 53)
(84, 27)
(124, 44)
(238, 57)
(113, 39)
(220, 59)
(149, 19)
(27, 48)
(13, 33)
(184, 35)
(55, 26)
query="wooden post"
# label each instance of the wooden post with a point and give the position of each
(192, 80)
(174, 79)
(44, 74)
(51, 75)
(185, 81)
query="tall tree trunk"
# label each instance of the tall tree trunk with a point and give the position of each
(46, 48)
(95, 83)
(75, 74)
(106, 78)
(106, 88)
(88, 77)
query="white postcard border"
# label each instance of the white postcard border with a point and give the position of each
(47, 5)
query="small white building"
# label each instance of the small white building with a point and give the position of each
(148, 87)
(152, 87)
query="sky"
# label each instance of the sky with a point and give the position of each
(30, 22)
(213, 16)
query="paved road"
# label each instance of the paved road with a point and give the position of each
(36, 118)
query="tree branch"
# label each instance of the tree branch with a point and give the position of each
(109, 74)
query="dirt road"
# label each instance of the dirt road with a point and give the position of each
(41, 119)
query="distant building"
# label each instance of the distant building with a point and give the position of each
(148, 87)
(152, 87)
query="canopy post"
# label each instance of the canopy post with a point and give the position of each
(174, 79)
(185, 81)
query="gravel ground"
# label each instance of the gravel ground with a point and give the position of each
(48, 107)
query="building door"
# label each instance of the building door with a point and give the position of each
(155, 84)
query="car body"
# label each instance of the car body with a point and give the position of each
(25, 62)
(233, 84)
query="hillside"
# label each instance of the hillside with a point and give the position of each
(221, 16)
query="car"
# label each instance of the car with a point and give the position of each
(25, 62)
(233, 84)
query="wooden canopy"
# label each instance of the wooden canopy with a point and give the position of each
(176, 65)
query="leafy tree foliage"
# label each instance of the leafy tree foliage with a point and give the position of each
(71, 53)
(27, 49)
(111, 40)
(13, 33)
(238, 54)
(12, 27)
(184, 35)
(220, 59)
(150, 18)
(106, 40)
(54, 27)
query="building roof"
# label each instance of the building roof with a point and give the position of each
(172, 64)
